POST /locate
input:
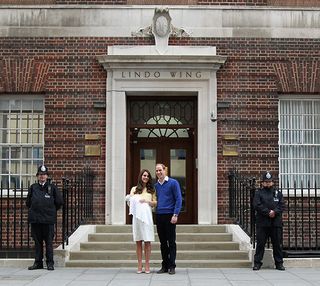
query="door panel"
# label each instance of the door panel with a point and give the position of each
(178, 157)
(178, 170)
(148, 159)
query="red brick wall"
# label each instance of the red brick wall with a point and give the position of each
(301, 3)
(234, 2)
(92, 2)
(294, 3)
(248, 80)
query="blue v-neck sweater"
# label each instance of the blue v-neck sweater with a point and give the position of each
(169, 198)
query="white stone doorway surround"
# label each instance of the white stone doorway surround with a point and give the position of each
(140, 70)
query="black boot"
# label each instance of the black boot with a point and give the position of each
(35, 266)
(256, 267)
(162, 270)
(280, 267)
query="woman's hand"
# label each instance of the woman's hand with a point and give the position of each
(150, 203)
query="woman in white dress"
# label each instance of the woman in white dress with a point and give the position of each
(141, 200)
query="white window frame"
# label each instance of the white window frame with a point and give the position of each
(292, 165)
(35, 161)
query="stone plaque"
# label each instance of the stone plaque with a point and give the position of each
(230, 150)
(230, 137)
(92, 137)
(92, 150)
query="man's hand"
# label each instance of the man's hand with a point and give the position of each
(174, 219)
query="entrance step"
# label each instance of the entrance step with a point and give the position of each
(208, 246)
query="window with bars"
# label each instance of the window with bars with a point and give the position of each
(21, 141)
(299, 142)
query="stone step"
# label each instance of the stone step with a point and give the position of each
(181, 255)
(180, 228)
(97, 246)
(206, 246)
(157, 263)
(181, 237)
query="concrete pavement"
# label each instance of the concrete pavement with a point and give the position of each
(183, 277)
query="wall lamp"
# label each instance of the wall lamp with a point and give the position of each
(213, 117)
(220, 105)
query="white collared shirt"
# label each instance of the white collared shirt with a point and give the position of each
(166, 178)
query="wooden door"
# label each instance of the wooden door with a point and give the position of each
(178, 157)
(164, 131)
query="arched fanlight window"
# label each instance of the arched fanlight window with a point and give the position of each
(152, 119)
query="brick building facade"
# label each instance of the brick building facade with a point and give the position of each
(264, 51)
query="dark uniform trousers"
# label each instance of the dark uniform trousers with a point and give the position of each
(43, 233)
(263, 233)
(167, 236)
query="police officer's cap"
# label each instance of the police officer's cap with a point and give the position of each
(267, 177)
(42, 170)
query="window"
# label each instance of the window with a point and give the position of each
(299, 148)
(150, 118)
(21, 141)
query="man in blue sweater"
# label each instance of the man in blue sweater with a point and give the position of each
(167, 211)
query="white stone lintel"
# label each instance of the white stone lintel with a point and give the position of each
(147, 57)
(171, 50)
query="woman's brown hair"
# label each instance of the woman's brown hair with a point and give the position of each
(149, 185)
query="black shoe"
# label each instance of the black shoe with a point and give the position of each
(35, 266)
(162, 270)
(50, 267)
(256, 267)
(172, 271)
(280, 267)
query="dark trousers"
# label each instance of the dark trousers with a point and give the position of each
(43, 233)
(263, 233)
(167, 236)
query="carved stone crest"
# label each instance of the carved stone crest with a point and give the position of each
(161, 29)
(161, 23)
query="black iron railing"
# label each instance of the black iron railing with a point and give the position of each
(14, 228)
(301, 218)
(241, 193)
(301, 221)
(78, 203)
(15, 237)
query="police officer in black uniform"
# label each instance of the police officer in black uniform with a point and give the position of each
(268, 204)
(43, 201)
